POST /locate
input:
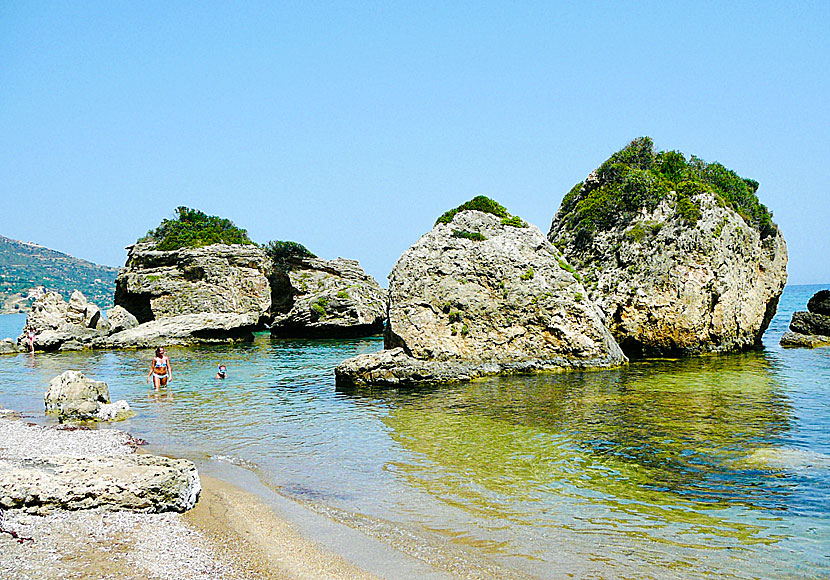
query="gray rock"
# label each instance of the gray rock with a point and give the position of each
(820, 303)
(120, 319)
(666, 287)
(460, 308)
(8, 346)
(327, 298)
(184, 330)
(73, 397)
(144, 483)
(810, 323)
(117, 411)
(59, 325)
(797, 340)
(217, 279)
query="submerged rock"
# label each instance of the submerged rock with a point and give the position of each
(482, 295)
(326, 298)
(672, 266)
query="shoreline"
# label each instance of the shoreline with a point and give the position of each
(229, 534)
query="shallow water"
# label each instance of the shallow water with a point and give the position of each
(714, 466)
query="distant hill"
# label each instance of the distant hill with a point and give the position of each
(27, 270)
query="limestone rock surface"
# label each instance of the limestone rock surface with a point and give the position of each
(146, 483)
(810, 329)
(476, 296)
(120, 319)
(216, 279)
(73, 397)
(666, 287)
(57, 322)
(326, 298)
(184, 330)
(820, 303)
(8, 346)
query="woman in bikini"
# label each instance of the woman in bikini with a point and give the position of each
(160, 370)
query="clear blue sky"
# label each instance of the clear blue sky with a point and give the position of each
(350, 127)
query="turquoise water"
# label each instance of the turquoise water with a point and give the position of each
(697, 468)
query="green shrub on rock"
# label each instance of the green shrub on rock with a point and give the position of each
(193, 229)
(282, 253)
(638, 177)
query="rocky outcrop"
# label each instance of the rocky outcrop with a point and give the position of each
(665, 285)
(8, 346)
(216, 279)
(186, 329)
(145, 483)
(73, 397)
(61, 325)
(810, 329)
(326, 298)
(120, 319)
(477, 296)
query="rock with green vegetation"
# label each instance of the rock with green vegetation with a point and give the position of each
(28, 271)
(195, 269)
(193, 229)
(312, 297)
(678, 254)
(461, 307)
(217, 279)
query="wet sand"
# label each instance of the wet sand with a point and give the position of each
(261, 544)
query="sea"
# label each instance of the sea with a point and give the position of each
(709, 467)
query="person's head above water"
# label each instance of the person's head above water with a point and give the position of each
(160, 351)
(221, 372)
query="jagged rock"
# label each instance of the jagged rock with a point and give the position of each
(667, 287)
(820, 303)
(184, 330)
(73, 397)
(797, 340)
(461, 307)
(810, 323)
(120, 319)
(216, 279)
(145, 483)
(56, 323)
(326, 298)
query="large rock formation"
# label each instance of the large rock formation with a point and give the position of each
(812, 328)
(673, 271)
(326, 298)
(61, 325)
(476, 296)
(227, 282)
(73, 397)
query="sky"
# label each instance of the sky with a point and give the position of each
(351, 126)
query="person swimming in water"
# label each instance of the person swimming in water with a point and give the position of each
(222, 372)
(160, 369)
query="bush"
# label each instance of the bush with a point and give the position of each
(475, 236)
(282, 253)
(193, 229)
(478, 203)
(638, 177)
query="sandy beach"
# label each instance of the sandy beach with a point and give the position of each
(230, 534)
